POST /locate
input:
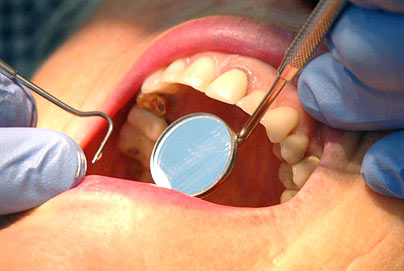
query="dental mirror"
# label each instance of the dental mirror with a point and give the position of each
(196, 152)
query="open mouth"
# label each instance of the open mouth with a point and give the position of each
(224, 66)
(315, 211)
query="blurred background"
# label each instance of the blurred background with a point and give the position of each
(30, 30)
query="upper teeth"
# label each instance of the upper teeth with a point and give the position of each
(303, 169)
(230, 87)
(174, 72)
(293, 147)
(280, 122)
(200, 73)
(154, 84)
(223, 78)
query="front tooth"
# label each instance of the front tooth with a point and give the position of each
(279, 122)
(293, 147)
(135, 144)
(200, 73)
(286, 176)
(287, 195)
(303, 169)
(154, 84)
(250, 102)
(146, 122)
(230, 87)
(174, 72)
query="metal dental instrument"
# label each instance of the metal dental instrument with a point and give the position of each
(12, 74)
(195, 153)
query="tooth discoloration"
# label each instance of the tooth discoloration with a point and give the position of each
(303, 169)
(279, 122)
(229, 88)
(135, 144)
(200, 73)
(293, 147)
(147, 122)
(153, 102)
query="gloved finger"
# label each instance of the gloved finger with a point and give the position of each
(370, 44)
(331, 94)
(17, 105)
(36, 164)
(388, 5)
(383, 166)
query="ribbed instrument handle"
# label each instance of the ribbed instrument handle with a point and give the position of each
(309, 37)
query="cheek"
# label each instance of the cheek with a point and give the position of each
(86, 70)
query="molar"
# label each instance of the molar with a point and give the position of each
(279, 122)
(303, 169)
(293, 147)
(135, 144)
(146, 122)
(230, 87)
(200, 73)
(152, 102)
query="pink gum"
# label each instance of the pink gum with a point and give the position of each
(260, 75)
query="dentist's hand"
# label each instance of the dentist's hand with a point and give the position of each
(359, 85)
(35, 164)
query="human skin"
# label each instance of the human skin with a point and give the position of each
(334, 223)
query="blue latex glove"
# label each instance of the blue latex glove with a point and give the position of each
(35, 164)
(359, 85)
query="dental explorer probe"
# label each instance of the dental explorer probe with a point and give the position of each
(195, 153)
(13, 75)
(298, 54)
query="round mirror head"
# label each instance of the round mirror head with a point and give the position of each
(193, 154)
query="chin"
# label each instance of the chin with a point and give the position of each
(295, 199)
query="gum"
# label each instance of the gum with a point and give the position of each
(260, 75)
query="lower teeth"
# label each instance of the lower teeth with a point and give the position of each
(135, 144)
(146, 122)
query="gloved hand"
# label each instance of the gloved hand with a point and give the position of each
(359, 85)
(35, 164)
